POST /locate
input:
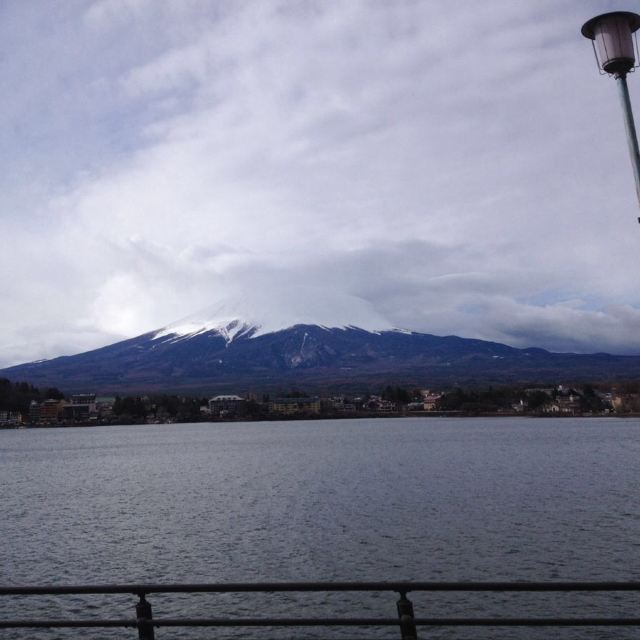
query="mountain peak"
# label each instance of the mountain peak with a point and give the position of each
(228, 328)
(262, 314)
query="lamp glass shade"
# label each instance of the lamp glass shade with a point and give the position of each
(613, 35)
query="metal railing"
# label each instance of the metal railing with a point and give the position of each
(406, 621)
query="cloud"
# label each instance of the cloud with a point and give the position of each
(457, 169)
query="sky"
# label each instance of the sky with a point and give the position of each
(453, 168)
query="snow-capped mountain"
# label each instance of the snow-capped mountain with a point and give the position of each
(209, 353)
(268, 312)
(228, 328)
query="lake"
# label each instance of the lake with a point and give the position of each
(381, 499)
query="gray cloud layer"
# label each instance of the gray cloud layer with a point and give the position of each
(461, 168)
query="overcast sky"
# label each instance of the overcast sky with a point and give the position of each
(450, 167)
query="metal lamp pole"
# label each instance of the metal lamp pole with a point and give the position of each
(612, 35)
(630, 126)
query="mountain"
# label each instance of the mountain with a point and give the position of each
(235, 355)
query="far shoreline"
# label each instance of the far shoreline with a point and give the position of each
(317, 418)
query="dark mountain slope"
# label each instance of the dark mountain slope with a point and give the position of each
(310, 357)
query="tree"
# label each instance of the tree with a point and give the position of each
(590, 402)
(396, 394)
(536, 400)
(130, 406)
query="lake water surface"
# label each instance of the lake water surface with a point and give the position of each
(383, 499)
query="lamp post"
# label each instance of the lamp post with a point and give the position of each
(613, 38)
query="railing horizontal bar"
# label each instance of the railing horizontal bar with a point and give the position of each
(527, 622)
(274, 587)
(329, 622)
(61, 624)
(208, 622)
(275, 622)
(380, 622)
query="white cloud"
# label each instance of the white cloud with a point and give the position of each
(460, 168)
(105, 13)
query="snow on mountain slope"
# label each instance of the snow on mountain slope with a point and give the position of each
(228, 328)
(264, 314)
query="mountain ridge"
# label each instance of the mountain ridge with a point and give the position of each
(239, 358)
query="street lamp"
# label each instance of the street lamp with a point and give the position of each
(615, 46)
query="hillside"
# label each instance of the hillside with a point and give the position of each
(238, 357)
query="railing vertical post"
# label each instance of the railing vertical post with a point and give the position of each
(405, 614)
(144, 617)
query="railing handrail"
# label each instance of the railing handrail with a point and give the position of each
(406, 620)
(306, 587)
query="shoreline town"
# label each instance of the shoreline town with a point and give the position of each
(22, 405)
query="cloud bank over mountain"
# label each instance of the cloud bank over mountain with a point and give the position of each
(452, 169)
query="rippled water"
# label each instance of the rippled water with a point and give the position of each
(410, 499)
